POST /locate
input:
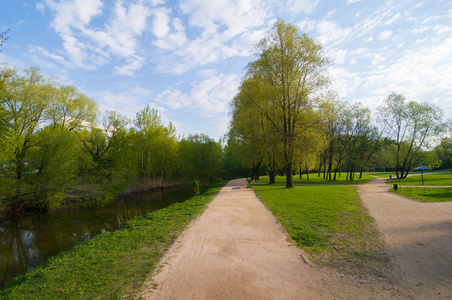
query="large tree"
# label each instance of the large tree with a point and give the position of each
(289, 72)
(410, 124)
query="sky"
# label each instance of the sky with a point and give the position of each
(186, 58)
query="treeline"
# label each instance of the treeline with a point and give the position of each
(53, 150)
(286, 120)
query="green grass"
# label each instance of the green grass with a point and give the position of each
(112, 265)
(315, 179)
(329, 223)
(427, 194)
(442, 179)
(381, 174)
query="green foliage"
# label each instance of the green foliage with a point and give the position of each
(274, 108)
(56, 164)
(114, 264)
(409, 123)
(201, 158)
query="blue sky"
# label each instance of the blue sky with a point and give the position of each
(186, 58)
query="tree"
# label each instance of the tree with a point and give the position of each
(156, 145)
(250, 132)
(410, 124)
(289, 71)
(444, 140)
(201, 158)
(25, 95)
(99, 140)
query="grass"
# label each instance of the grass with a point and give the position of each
(112, 265)
(330, 224)
(381, 174)
(427, 194)
(441, 179)
(315, 179)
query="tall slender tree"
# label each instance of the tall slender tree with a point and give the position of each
(409, 123)
(289, 70)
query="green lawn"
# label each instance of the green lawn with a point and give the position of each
(427, 194)
(315, 179)
(381, 174)
(112, 265)
(441, 179)
(329, 223)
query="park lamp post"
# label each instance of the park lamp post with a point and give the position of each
(422, 168)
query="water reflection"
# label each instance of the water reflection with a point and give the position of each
(26, 243)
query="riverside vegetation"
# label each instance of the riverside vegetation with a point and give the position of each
(112, 265)
(57, 150)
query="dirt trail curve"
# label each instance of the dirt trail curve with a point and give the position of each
(419, 238)
(237, 250)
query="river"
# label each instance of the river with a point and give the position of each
(28, 242)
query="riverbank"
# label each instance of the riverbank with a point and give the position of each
(81, 196)
(113, 264)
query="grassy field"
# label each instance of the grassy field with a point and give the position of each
(330, 224)
(426, 194)
(315, 179)
(439, 179)
(381, 174)
(112, 265)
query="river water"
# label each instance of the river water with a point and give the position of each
(28, 242)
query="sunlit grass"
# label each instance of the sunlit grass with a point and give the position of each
(439, 179)
(112, 265)
(315, 179)
(381, 174)
(328, 222)
(427, 194)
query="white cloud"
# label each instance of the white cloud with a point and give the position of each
(173, 98)
(393, 19)
(130, 68)
(42, 52)
(306, 25)
(337, 55)
(41, 8)
(88, 47)
(160, 26)
(128, 102)
(352, 1)
(225, 29)
(384, 35)
(301, 6)
(331, 33)
(211, 95)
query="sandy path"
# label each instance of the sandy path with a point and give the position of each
(237, 250)
(419, 236)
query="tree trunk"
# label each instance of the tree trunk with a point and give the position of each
(289, 176)
(272, 176)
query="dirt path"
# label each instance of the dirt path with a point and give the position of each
(419, 238)
(237, 250)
